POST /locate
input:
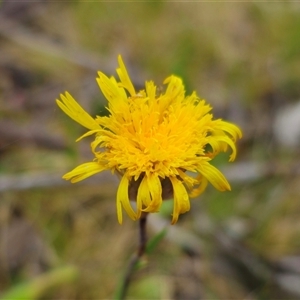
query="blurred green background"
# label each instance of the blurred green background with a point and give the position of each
(63, 241)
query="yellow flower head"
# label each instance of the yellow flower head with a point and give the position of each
(155, 141)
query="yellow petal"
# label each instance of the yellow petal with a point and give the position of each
(124, 77)
(220, 142)
(143, 196)
(123, 200)
(181, 199)
(69, 106)
(188, 180)
(201, 186)
(151, 90)
(111, 91)
(214, 176)
(175, 88)
(154, 186)
(230, 128)
(83, 171)
(88, 134)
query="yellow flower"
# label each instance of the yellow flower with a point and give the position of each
(155, 141)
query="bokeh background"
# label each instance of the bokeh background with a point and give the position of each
(63, 241)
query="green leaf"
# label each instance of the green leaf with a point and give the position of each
(152, 243)
(36, 287)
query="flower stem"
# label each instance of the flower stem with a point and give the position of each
(122, 291)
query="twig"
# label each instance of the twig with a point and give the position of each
(25, 38)
(34, 180)
(134, 259)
